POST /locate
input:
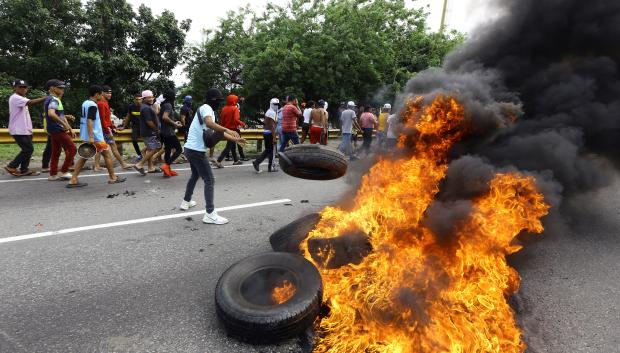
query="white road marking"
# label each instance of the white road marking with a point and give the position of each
(136, 221)
(120, 173)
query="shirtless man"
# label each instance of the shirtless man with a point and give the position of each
(318, 124)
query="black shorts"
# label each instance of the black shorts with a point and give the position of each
(305, 127)
(135, 133)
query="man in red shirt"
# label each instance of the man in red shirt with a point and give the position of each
(230, 119)
(108, 129)
(290, 114)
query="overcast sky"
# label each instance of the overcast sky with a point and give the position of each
(462, 15)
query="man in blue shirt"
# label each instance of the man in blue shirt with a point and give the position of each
(92, 132)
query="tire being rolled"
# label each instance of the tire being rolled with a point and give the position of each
(243, 291)
(313, 162)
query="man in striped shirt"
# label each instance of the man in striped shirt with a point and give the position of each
(290, 114)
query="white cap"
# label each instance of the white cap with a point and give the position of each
(274, 101)
(387, 106)
(351, 104)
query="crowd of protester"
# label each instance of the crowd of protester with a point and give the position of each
(156, 122)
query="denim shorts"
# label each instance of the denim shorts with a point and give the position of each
(152, 142)
(109, 139)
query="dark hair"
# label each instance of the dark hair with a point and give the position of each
(106, 88)
(290, 98)
(169, 96)
(94, 89)
(311, 104)
(137, 94)
(367, 109)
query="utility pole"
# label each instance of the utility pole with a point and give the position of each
(443, 16)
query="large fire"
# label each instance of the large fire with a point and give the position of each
(415, 292)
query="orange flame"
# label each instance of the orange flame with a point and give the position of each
(283, 293)
(414, 292)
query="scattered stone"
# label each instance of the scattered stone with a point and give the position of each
(201, 250)
(189, 218)
(305, 201)
(111, 196)
(129, 193)
(288, 204)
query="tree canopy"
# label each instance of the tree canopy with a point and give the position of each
(99, 42)
(336, 50)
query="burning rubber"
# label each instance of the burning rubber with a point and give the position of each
(313, 162)
(269, 297)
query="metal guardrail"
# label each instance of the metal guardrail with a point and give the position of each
(40, 135)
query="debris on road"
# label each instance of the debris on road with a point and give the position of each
(129, 193)
(305, 201)
(111, 196)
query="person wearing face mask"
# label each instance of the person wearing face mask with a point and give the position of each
(195, 152)
(168, 133)
(269, 136)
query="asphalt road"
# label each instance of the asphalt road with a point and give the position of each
(148, 287)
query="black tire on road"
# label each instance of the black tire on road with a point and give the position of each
(314, 162)
(289, 237)
(243, 297)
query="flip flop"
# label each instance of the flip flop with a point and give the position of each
(157, 170)
(12, 172)
(118, 180)
(31, 173)
(129, 166)
(76, 185)
(140, 170)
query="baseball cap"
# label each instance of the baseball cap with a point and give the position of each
(274, 101)
(20, 83)
(55, 83)
(147, 94)
(351, 104)
(387, 106)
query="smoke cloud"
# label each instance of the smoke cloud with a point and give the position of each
(552, 65)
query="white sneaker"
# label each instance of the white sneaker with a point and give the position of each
(187, 205)
(214, 218)
(66, 176)
(53, 178)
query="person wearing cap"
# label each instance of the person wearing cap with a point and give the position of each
(186, 114)
(195, 152)
(20, 128)
(91, 131)
(290, 114)
(347, 123)
(382, 129)
(60, 131)
(109, 129)
(269, 136)
(149, 129)
(133, 119)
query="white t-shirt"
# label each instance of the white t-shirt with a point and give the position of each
(270, 114)
(307, 115)
(194, 136)
(392, 123)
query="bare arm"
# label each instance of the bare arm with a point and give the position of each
(91, 130)
(52, 114)
(228, 134)
(35, 101)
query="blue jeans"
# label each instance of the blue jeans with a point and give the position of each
(289, 136)
(345, 146)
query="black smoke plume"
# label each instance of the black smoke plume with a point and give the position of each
(554, 66)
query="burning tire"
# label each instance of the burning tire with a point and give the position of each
(314, 162)
(288, 238)
(269, 297)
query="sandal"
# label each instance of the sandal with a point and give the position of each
(12, 171)
(128, 166)
(118, 180)
(156, 170)
(30, 173)
(139, 170)
(76, 185)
